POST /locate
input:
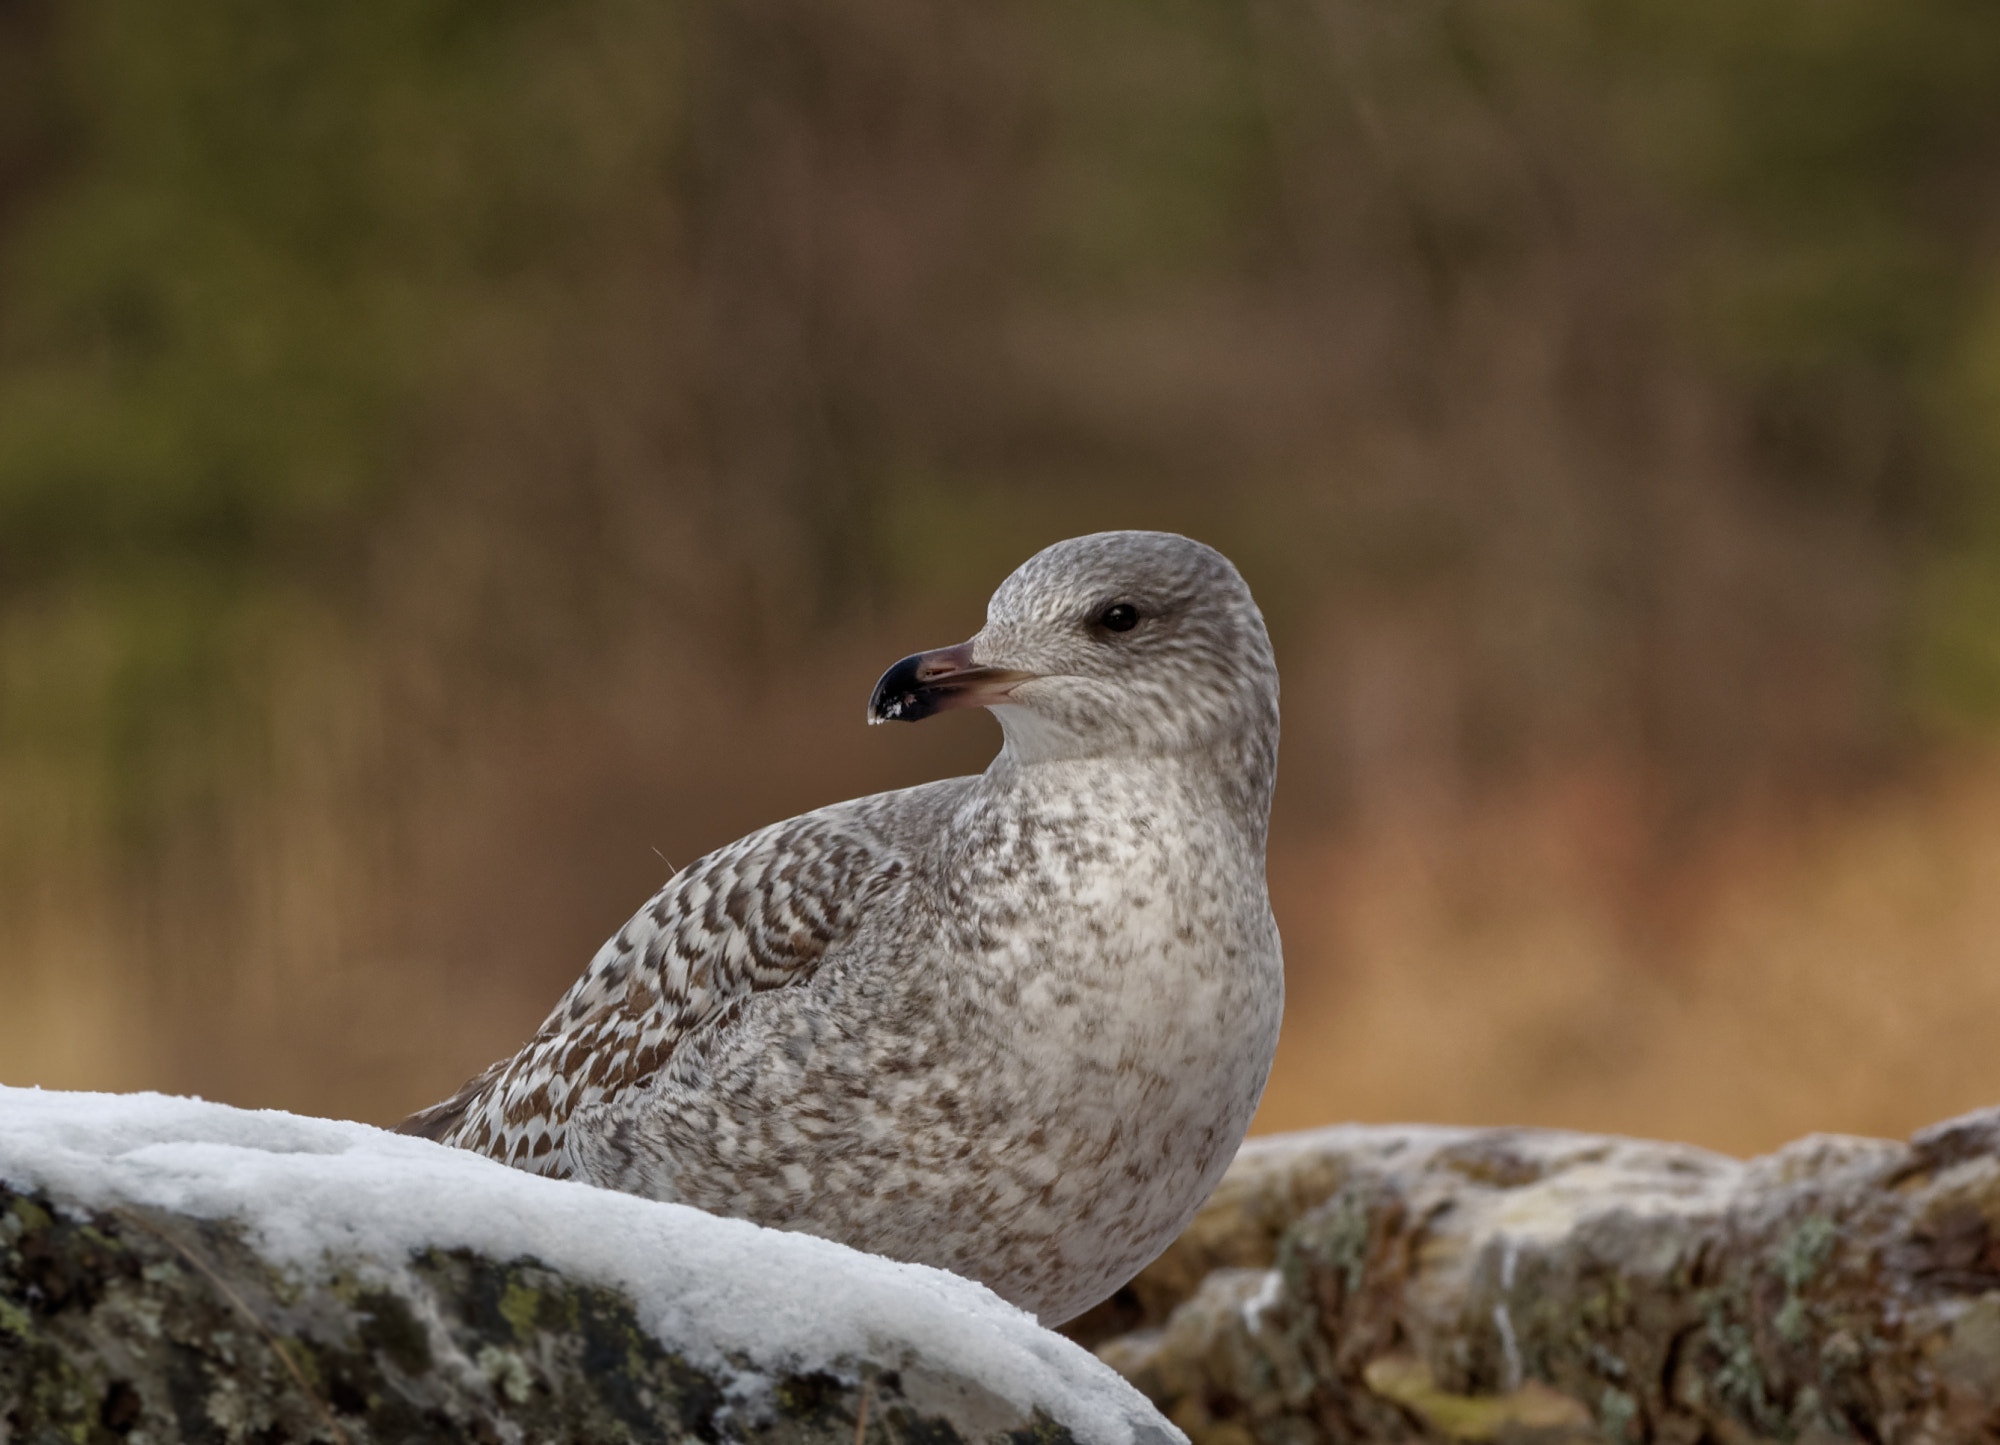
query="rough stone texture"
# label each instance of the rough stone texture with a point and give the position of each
(1380, 1284)
(139, 1325)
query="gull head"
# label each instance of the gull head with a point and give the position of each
(1116, 644)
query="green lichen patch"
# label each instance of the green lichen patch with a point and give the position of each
(1738, 1376)
(1805, 1251)
(1337, 1234)
(519, 1305)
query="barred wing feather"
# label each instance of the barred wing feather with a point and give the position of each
(758, 914)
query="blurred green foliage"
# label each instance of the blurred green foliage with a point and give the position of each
(248, 242)
(1840, 164)
(250, 256)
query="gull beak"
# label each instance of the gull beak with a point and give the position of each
(934, 682)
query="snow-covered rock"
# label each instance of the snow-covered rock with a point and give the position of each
(178, 1270)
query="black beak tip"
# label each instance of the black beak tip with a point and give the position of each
(901, 696)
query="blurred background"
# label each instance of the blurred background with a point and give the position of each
(459, 460)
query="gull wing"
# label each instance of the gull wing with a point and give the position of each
(759, 914)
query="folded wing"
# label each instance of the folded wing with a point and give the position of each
(759, 914)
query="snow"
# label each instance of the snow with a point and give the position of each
(709, 1288)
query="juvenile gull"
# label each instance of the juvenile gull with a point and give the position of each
(1012, 1025)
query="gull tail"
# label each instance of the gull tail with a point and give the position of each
(441, 1121)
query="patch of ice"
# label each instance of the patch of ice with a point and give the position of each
(707, 1287)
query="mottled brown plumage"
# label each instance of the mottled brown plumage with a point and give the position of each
(1013, 1025)
(758, 914)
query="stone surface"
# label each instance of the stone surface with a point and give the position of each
(141, 1325)
(174, 1271)
(1382, 1284)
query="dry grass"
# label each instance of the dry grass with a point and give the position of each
(1841, 974)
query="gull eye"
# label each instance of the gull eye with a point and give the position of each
(1118, 617)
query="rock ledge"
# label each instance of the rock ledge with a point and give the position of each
(1384, 1284)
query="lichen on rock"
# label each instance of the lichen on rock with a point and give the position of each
(135, 1325)
(1378, 1284)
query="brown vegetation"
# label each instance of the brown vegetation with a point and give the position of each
(453, 459)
